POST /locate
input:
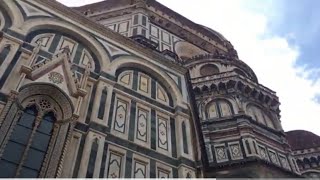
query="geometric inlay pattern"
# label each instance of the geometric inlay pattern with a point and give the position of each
(235, 151)
(163, 173)
(120, 116)
(142, 124)
(140, 169)
(221, 153)
(162, 134)
(114, 167)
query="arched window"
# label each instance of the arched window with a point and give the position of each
(258, 115)
(209, 69)
(225, 109)
(268, 121)
(184, 138)
(212, 111)
(220, 108)
(26, 149)
(250, 112)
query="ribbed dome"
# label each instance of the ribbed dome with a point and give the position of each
(214, 32)
(300, 139)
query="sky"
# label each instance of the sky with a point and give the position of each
(276, 38)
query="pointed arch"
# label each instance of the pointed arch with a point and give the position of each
(61, 102)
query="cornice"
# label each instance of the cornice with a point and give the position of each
(205, 58)
(105, 32)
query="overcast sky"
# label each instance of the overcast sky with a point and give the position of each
(277, 42)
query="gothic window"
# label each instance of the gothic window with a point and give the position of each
(208, 70)
(184, 138)
(220, 108)
(26, 149)
(225, 109)
(212, 111)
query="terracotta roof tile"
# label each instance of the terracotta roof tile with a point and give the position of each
(300, 139)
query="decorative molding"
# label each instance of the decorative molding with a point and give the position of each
(31, 11)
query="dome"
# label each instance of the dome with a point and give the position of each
(214, 32)
(300, 139)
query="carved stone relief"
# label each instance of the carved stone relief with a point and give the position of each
(114, 165)
(120, 116)
(162, 133)
(263, 153)
(55, 77)
(235, 151)
(221, 154)
(142, 125)
(162, 173)
(139, 169)
(273, 157)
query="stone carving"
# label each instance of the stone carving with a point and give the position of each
(139, 170)
(221, 154)
(55, 77)
(263, 153)
(235, 151)
(120, 116)
(284, 162)
(273, 157)
(162, 134)
(114, 168)
(63, 110)
(163, 173)
(142, 125)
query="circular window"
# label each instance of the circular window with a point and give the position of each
(209, 69)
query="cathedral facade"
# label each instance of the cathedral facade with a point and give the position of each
(132, 89)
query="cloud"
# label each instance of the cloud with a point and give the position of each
(76, 3)
(246, 24)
